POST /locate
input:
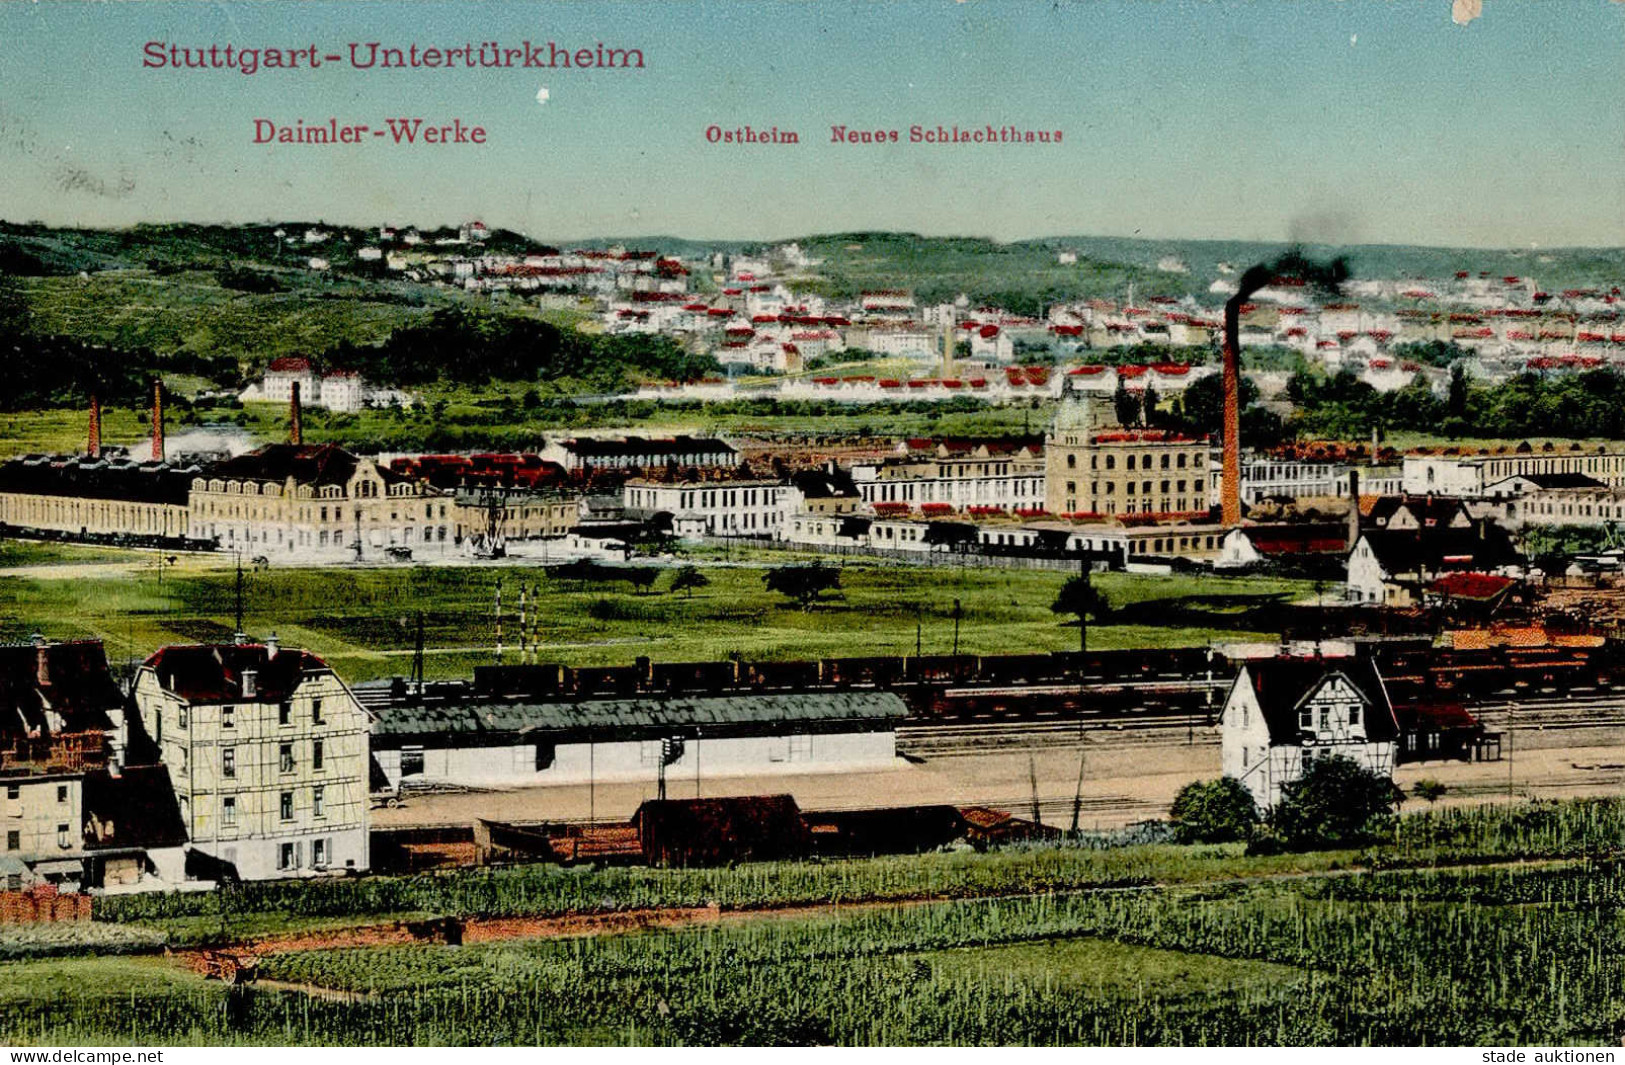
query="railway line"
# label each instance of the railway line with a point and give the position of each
(1172, 726)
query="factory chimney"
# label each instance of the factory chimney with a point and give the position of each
(94, 444)
(1326, 277)
(296, 432)
(1230, 474)
(157, 420)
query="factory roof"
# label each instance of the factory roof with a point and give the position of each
(503, 716)
(114, 479)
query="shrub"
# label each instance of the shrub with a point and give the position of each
(1214, 811)
(1337, 801)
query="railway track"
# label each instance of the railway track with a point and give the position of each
(1172, 727)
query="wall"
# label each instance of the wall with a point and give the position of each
(580, 763)
(195, 756)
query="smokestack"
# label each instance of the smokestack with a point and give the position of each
(94, 444)
(1230, 474)
(1325, 277)
(157, 421)
(296, 432)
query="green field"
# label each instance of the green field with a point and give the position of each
(361, 619)
(1464, 927)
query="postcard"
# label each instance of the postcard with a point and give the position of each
(656, 525)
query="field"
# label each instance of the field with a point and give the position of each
(1463, 927)
(361, 619)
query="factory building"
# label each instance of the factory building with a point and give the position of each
(454, 737)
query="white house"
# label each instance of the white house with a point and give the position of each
(267, 750)
(1283, 713)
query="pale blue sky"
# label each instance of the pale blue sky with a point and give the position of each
(1353, 120)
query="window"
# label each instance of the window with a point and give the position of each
(228, 717)
(286, 809)
(316, 753)
(1072, 462)
(284, 856)
(180, 717)
(1244, 758)
(316, 712)
(318, 853)
(63, 840)
(411, 761)
(318, 801)
(1325, 718)
(284, 714)
(1306, 717)
(285, 758)
(228, 762)
(1354, 713)
(14, 840)
(61, 793)
(228, 810)
(14, 791)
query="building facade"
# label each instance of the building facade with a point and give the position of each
(268, 753)
(104, 496)
(1283, 713)
(710, 508)
(318, 502)
(1095, 466)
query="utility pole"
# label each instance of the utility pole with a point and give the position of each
(239, 595)
(1032, 777)
(417, 657)
(1077, 795)
(958, 613)
(499, 621)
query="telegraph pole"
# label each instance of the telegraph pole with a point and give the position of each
(238, 598)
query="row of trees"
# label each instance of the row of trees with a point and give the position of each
(1590, 404)
(468, 346)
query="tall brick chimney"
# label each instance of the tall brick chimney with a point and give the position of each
(94, 444)
(1230, 474)
(296, 432)
(157, 421)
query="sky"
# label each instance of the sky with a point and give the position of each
(1337, 121)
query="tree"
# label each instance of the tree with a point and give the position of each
(642, 577)
(803, 584)
(1337, 801)
(1214, 811)
(1126, 405)
(1202, 402)
(1079, 597)
(1430, 790)
(687, 579)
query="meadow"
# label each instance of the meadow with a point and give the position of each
(1468, 926)
(361, 619)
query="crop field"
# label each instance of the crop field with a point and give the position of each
(361, 619)
(1473, 926)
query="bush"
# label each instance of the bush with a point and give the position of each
(1214, 811)
(1336, 802)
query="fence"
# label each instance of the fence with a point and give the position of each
(926, 558)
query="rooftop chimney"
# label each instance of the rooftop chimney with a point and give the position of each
(94, 444)
(270, 647)
(296, 433)
(157, 421)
